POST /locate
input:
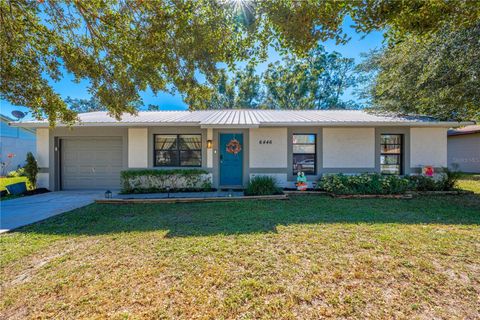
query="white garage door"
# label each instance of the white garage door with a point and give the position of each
(91, 163)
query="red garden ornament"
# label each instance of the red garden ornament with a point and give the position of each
(234, 146)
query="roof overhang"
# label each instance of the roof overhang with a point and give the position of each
(443, 124)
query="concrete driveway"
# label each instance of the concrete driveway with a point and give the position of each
(26, 210)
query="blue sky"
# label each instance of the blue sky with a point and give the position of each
(358, 44)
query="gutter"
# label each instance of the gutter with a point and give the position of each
(442, 124)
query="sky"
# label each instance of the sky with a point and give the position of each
(359, 43)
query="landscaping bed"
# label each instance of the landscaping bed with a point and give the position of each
(191, 199)
(172, 180)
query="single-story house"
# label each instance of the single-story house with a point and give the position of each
(464, 148)
(14, 145)
(234, 145)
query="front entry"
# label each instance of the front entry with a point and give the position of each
(231, 159)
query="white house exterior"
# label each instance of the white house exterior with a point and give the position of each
(92, 153)
(15, 142)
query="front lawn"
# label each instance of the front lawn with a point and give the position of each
(309, 257)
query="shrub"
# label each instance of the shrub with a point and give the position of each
(31, 170)
(20, 172)
(372, 183)
(152, 180)
(262, 186)
(375, 183)
(449, 178)
(422, 183)
(444, 181)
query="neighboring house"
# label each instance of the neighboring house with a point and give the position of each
(464, 148)
(15, 142)
(92, 153)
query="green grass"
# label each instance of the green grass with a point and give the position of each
(308, 257)
(470, 182)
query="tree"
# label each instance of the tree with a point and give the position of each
(124, 47)
(437, 76)
(84, 105)
(288, 85)
(152, 107)
(316, 81)
(224, 94)
(248, 84)
(31, 170)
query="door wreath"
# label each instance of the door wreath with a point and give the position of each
(234, 146)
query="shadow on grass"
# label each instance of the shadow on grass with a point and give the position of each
(203, 219)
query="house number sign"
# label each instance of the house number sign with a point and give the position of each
(265, 141)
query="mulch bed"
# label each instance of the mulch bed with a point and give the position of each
(4, 193)
(371, 196)
(309, 192)
(184, 200)
(36, 191)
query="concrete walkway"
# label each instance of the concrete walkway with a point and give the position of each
(26, 210)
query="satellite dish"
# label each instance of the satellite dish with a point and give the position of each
(18, 114)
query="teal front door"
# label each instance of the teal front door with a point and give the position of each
(231, 159)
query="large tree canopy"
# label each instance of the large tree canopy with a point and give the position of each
(314, 81)
(124, 47)
(437, 76)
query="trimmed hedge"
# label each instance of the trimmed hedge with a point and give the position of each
(374, 183)
(153, 181)
(262, 186)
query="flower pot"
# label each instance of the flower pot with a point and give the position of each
(17, 188)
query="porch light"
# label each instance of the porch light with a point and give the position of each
(209, 144)
(108, 194)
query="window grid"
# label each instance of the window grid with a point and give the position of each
(299, 154)
(177, 150)
(385, 155)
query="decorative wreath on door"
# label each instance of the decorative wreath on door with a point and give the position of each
(234, 146)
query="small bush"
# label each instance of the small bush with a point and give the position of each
(31, 170)
(20, 172)
(371, 183)
(444, 181)
(262, 186)
(422, 183)
(450, 178)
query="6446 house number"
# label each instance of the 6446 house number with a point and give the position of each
(265, 141)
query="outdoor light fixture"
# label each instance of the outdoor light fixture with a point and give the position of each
(108, 194)
(168, 191)
(209, 144)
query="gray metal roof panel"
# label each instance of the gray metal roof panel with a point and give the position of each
(247, 118)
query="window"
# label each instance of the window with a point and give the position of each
(178, 150)
(391, 154)
(304, 153)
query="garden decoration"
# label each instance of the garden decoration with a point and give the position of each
(301, 181)
(234, 146)
(17, 188)
(428, 171)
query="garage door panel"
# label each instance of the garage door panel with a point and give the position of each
(91, 163)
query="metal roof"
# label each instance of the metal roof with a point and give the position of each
(239, 118)
(464, 130)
